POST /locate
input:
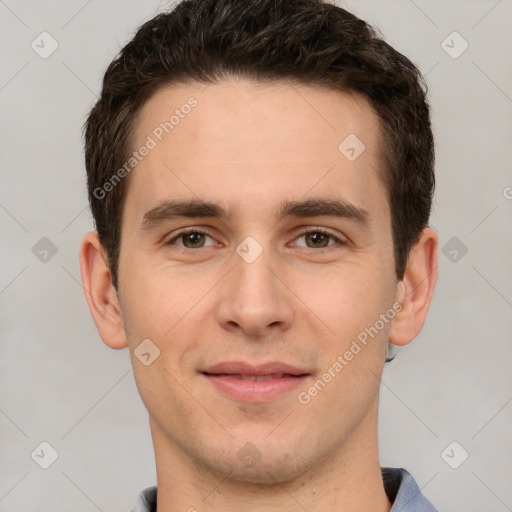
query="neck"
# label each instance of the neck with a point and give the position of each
(349, 480)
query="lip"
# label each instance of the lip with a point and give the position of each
(256, 384)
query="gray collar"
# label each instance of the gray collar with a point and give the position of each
(399, 485)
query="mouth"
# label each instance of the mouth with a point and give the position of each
(257, 378)
(256, 384)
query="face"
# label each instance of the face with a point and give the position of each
(256, 254)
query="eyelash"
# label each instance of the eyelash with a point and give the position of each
(314, 230)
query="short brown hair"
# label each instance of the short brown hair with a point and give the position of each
(306, 41)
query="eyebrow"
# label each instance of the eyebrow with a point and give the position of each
(197, 208)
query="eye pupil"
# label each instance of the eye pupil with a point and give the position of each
(314, 239)
(193, 239)
(318, 239)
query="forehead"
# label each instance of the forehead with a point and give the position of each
(252, 144)
(282, 114)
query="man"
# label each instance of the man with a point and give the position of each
(261, 175)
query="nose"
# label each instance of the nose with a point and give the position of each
(254, 299)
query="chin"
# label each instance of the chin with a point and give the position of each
(270, 465)
(265, 476)
(264, 472)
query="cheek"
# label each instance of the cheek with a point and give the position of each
(351, 305)
(154, 299)
(346, 300)
(172, 308)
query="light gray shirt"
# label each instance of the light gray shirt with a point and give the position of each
(400, 487)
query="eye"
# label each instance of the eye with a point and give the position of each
(194, 238)
(191, 239)
(318, 239)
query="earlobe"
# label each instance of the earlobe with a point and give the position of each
(99, 292)
(414, 291)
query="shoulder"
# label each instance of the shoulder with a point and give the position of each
(146, 501)
(400, 486)
(403, 492)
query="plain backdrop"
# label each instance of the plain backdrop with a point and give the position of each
(446, 395)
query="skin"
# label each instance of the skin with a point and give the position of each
(248, 147)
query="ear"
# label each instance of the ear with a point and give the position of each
(100, 293)
(414, 291)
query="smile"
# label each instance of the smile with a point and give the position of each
(255, 384)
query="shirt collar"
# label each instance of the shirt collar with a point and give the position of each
(399, 485)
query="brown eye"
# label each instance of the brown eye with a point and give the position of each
(316, 239)
(193, 240)
(319, 239)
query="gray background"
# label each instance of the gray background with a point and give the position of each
(60, 384)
